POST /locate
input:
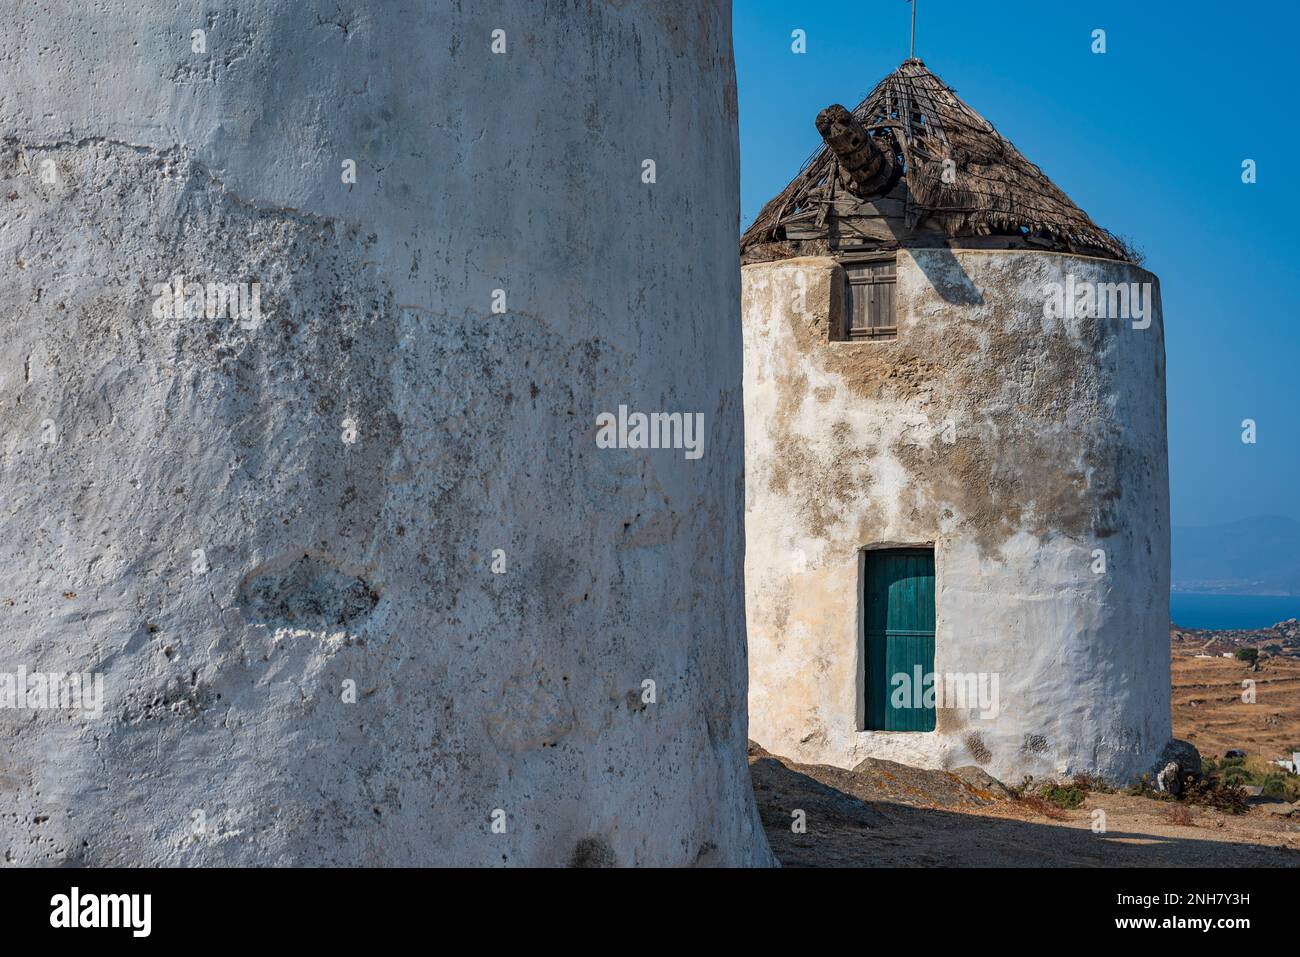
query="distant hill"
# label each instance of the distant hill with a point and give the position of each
(1253, 556)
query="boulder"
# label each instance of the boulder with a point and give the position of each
(1185, 755)
(980, 780)
(875, 779)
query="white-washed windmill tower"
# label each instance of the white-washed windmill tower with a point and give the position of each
(957, 515)
(311, 310)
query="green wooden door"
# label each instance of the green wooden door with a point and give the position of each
(899, 622)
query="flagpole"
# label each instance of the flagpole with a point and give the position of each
(912, 53)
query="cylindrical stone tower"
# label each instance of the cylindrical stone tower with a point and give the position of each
(1019, 460)
(313, 312)
(956, 479)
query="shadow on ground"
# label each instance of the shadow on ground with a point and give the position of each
(875, 819)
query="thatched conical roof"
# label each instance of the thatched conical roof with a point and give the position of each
(961, 178)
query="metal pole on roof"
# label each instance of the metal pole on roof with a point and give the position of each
(912, 53)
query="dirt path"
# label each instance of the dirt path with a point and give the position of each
(906, 817)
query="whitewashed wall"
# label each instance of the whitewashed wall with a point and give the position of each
(335, 553)
(1018, 446)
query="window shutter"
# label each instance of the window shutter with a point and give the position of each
(869, 300)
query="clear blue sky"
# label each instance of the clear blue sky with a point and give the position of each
(1148, 138)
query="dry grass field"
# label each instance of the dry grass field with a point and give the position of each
(1209, 711)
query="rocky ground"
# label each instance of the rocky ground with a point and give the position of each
(884, 814)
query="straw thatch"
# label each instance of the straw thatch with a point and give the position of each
(990, 189)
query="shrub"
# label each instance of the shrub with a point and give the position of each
(1032, 797)
(1087, 783)
(1219, 789)
(1275, 786)
(1248, 655)
(1043, 807)
(1211, 792)
(1145, 786)
(1235, 775)
(1064, 796)
(1024, 787)
(1291, 788)
(1254, 769)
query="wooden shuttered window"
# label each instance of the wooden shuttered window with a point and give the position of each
(869, 300)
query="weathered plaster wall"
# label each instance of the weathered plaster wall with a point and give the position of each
(370, 561)
(1017, 445)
